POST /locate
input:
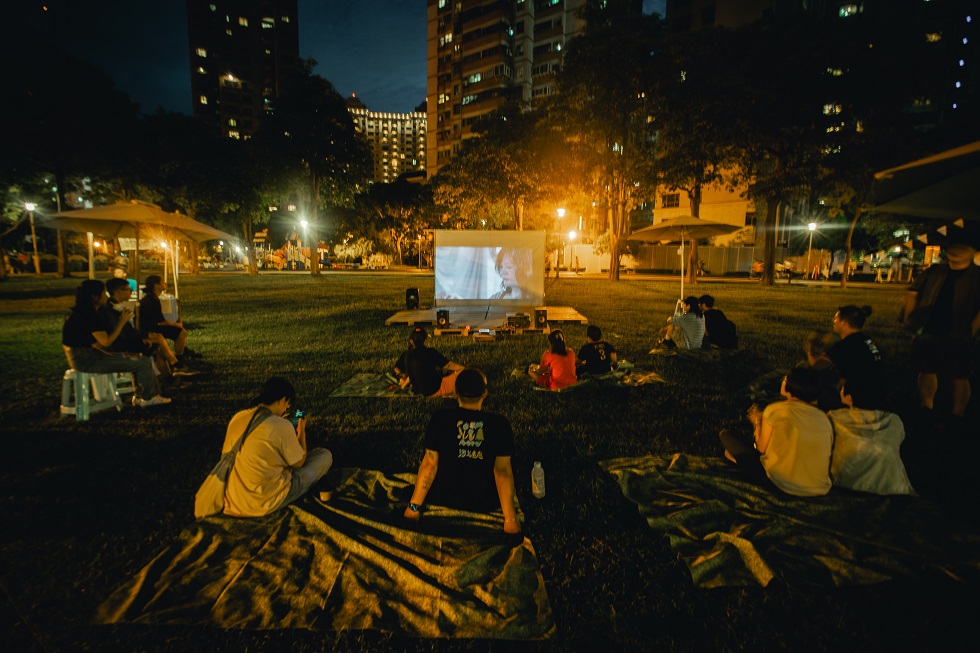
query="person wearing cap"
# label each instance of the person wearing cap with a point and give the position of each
(942, 307)
(274, 467)
(152, 319)
(423, 368)
(467, 460)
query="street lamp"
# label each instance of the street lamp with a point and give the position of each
(812, 227)
(558, 254)
(30, 206)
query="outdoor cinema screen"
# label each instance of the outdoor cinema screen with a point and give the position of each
(489, 268)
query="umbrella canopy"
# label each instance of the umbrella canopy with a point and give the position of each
(679, 229)
(942, 186)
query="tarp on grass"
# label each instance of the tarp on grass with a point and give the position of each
(345, 563)
(730, 531)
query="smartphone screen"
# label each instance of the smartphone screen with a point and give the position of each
(297, 416)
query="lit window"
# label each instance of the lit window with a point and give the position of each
(213, 7)
(201, 70)
(831, 109)
(670, 201)
(201, 52)
(243, 21)
(232, 122)
(284, 19)
(228, 31)
(234, 134)
(469, 98)
(204, 99)
(268, 23)
(848, 10)
(933, 37)
(442, 4)
(835, 72)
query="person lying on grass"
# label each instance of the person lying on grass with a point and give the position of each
(596, 357)
(466, 465)
(274, 466)
(424, 369)
(557, 367)
(791, 440)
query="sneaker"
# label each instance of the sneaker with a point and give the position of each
(158, 400)
(183, 370)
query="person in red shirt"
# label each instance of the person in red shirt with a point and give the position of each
(557, 367)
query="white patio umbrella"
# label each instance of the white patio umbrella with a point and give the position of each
(678, 229)
(941, 186)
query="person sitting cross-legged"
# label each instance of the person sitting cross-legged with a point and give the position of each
(719, 331)
(686, 329)
(596, 357)
(467, 460)
(426, 370)
(791, 440)
(557, 367)
(274, 466)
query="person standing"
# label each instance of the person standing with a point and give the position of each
(856, 356)
(942, 307)
(467, 460)
(274, 466)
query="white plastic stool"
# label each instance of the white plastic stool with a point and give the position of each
(92, 392)
(125, 384)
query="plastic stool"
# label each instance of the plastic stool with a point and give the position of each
(125, 385)
(92, 392)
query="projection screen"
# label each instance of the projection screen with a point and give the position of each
(489, 268)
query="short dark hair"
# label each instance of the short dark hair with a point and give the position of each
(274, 389)
(115, 283)
(593, 332)
(692, 305)
(817, 343)
(863, 395)
(803, 383)
(417, 335)
(854, 315)
(707, 300)
(471, 383)
(151, 281)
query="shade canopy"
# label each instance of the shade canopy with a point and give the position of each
(685, 227)
(943, 186)
(125, 219)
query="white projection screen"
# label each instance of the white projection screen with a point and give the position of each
(489, 268)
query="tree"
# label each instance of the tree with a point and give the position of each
(603, 111)
(309, 126)
(400, 210)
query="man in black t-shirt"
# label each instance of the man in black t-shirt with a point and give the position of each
(596, 357)
(423, 368)
(467, 465)
(719, 331)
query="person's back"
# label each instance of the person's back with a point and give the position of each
(424, 368)
(599, 356)
(691, 327)
(263, 468)
(720, 330)
(797, 459)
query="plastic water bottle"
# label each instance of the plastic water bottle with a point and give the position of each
(537, 480)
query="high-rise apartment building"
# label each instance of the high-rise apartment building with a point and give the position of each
(482, 53)
(397, 140)
(240, 53)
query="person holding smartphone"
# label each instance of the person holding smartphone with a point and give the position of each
(274, 466)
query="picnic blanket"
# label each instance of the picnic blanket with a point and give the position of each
(731, 532)
(345, 563)
(704, 355)
(366, 384)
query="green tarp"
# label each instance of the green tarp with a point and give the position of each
(347, 562)
(730, 531)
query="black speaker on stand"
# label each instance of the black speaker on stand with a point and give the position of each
(540, 318)
(412, 299)
(442, 319)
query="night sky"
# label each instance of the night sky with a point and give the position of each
(373, 48)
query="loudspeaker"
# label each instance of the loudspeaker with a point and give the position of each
(519, 320)
(540, 318)
(442, 319)
(412, 298)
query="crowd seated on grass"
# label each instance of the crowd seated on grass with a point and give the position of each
(596, 357)
(88, 340)
(791, 440)
(467, 460)
(557, 367)
(425, 370)
(719, 331)
(685, 329)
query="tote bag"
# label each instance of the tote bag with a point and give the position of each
(210, 497)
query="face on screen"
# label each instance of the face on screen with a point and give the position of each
(508, 270)
(477, 266)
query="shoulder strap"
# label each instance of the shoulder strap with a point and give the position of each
(258, 417)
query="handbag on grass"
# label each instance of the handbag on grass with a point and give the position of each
(210, 498)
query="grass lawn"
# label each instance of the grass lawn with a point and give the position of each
(84, 506)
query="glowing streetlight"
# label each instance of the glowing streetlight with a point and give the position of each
(812, 227)
(559, 252)
(30, 206)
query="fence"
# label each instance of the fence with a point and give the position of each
(718, 261)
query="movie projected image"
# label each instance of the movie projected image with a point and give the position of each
(504, 268)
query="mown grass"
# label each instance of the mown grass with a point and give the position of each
(85, 506)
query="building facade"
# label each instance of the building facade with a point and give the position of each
(397, 140)
(240, 53)
(482, 53)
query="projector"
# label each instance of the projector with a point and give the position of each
(519, 320)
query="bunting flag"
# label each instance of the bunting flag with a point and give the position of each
(909, 245)
(959, 223)
(923, 238)
(942, 230)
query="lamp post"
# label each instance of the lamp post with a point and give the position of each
(558, 254)
(30, 206)
(812, 227)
